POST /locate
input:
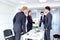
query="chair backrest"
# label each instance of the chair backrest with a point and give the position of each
(56, 36)
(7, 32)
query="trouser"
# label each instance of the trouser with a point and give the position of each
(17, 35)
(47, 35)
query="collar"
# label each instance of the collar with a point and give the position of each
(22, 12)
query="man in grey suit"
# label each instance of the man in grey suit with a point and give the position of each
(19, 23)
(48, 23)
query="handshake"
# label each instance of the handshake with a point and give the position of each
(36, 23)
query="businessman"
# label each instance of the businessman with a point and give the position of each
(42, 19)
(48, 23)
(19, 23)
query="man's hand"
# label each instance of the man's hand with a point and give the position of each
(36, 22)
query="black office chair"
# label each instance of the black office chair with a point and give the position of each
(56, 36)
(8, 35)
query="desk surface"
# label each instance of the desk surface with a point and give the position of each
(34, 35)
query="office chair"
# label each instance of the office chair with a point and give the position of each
(56, 36)
(8, 35)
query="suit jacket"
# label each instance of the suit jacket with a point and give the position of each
(19, 22)
(29, 19)
(48, 21)
(42, 20)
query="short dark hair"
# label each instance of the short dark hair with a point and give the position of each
(48, 7)
(41, 12)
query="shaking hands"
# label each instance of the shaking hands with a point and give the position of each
(36, 23)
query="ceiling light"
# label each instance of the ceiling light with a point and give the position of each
(42, 0)
(22, 2)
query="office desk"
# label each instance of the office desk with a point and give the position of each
(33, 35)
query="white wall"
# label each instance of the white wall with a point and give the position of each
(7, 13)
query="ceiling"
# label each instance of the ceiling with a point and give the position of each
(30, 2)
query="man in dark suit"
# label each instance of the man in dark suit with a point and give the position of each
(48, 23)
(19, 23)
(42, 19)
